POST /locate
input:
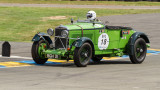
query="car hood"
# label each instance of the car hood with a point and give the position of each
(80, 26)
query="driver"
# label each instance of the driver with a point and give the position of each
(91, 15)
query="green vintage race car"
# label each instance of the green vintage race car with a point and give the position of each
(84, 40)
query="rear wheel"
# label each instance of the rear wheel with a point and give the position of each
(82, 55)
(140, 50)
(97, 58)
(37, 51)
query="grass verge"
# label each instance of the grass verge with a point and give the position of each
(22, 23)
(140, 3)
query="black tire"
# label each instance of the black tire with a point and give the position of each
(82, 55)
(140, 50)
(97, 58)
(36, 57)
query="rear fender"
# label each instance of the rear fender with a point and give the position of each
(133, 38)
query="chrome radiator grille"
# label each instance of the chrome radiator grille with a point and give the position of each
(60, 43)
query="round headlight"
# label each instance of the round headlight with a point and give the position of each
(50, 31)
(64, 33)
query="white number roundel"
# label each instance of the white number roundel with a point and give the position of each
(103, 41)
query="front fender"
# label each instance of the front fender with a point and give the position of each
(81, 41)
(43, 36)
(133, 38)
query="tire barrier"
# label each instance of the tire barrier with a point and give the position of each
(6, 49)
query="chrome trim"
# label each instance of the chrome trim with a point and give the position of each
(59, 36)
(66, 31)
(50, 30)
(67, 38)
(74, 38)
(42, 37)
(65, 45)
(62, 43)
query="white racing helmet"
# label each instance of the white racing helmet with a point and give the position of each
(91, 15)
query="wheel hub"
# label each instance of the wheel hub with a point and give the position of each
(141, 50)
(86, 54)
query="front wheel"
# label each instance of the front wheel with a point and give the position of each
(82, 55)
(37, 51)
(140, 50)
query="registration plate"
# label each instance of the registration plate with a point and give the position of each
(52, 56)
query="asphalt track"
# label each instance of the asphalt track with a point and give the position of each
(111, 74)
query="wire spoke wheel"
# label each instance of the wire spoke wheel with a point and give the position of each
(82, 55)
(40, 50)
(37, 51)
(140, 50)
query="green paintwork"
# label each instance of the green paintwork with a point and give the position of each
(148, 46)
(118, 42)
(56, 52)
(40, 50)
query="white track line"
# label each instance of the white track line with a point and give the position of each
(16, 57)
(32, 59)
